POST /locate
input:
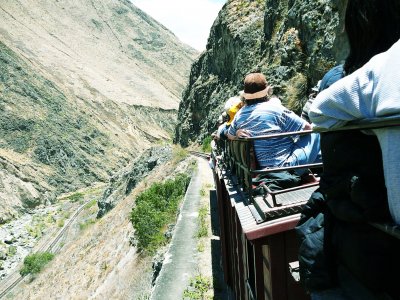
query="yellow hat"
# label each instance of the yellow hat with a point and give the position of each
(232, 107)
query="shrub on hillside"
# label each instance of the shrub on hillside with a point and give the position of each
(35, 262)
(76, 197)
(155, 208)
(206, 146)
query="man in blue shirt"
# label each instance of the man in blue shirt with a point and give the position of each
(264, 114)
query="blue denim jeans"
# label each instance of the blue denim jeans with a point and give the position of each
(307, 150)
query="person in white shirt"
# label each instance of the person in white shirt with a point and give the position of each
(371, 92)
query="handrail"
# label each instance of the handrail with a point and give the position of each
(374, 123)
(240, 161)
(239, 157)
(271, 136)
(270, 170)
(391, 229)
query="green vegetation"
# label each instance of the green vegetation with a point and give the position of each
(90, 204)
(87, 223)
(63, 216)
(76, 197)
(39, 224)
(35, 262)
(260, 2)
(60, 223)
(179, 154)
(104, 266)
(155, 208)
(198, 288)
(35, 231)
(296, 89)
(203, 192)
(242, 5)
(11, 251)
(201, 246)
(206, 146)
(202, 222)
(144, 296)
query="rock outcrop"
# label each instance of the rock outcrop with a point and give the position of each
(293, 42)
(124, 181)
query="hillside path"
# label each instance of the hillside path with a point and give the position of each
(181, 262)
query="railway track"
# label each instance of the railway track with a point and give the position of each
(200, 154)
(49, 247)
(10, 282)
(15, 278)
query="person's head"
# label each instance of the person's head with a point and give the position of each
(256, 87)
(222, 118)
(231, 102)
(372, 27)
(231, 107)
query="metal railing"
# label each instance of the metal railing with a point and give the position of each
(238, 157)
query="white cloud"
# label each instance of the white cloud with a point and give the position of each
(190, 20)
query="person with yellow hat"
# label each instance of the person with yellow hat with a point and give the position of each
(231, 107)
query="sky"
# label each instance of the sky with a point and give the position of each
(189, 20)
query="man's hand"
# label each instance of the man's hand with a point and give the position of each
(242, 133)
(307, 126)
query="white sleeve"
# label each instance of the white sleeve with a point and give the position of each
(347, 99)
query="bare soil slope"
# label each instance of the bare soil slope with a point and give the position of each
(103, 48)
(84, 87)
(99, 262)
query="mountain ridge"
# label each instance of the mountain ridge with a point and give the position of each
(84, 87)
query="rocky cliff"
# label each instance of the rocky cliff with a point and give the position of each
(84, 87)
(123, 182)
(293, 42)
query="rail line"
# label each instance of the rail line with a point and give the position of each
(200, 154)
(15, 278)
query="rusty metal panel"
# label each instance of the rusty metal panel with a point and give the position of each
(259, 272)
(255, 255)
(221, 199)
(267, 272)
(241, 262)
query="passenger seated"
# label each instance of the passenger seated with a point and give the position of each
(356, 260)
(371, 92)
(218, 134)
(232, 106)
(263, 114)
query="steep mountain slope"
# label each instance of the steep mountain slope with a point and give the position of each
(84, 86)
(293, 42)
(100, 262)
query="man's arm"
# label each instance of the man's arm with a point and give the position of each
(230, 136)
(348, 99)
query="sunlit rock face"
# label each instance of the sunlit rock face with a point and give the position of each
(293, 42)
